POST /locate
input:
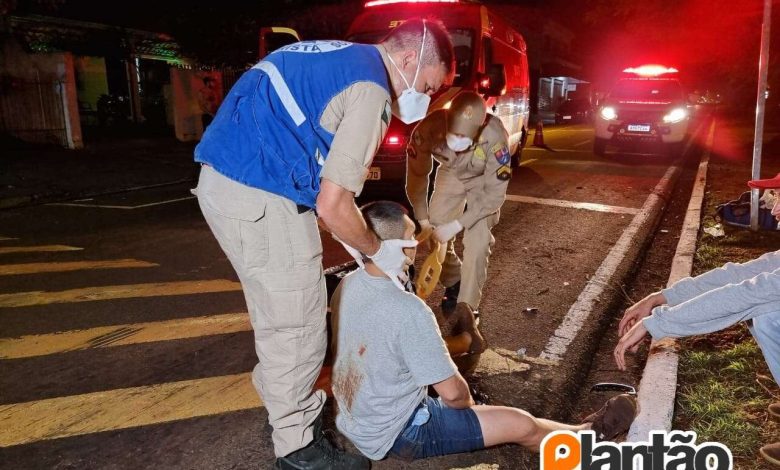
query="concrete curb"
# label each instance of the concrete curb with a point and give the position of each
(658, 387)
(15, 202)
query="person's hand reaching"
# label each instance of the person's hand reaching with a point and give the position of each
(640, 310)
(629, 342)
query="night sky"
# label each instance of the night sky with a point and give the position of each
(715, 42)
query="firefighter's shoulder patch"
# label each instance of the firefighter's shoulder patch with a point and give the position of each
(502, 155)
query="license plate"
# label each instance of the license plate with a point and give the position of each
(567, 117)
(374, 173)
(638, 128)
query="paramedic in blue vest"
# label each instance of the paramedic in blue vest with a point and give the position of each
(293, 140)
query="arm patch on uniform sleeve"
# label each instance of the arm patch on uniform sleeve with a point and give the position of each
(502, 155)
(504, 173)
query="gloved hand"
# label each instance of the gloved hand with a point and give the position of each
(446, 232)
(355, 253)
(426, 230)
(392, 260)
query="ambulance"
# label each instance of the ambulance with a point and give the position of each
(646, 108)
(490, 59)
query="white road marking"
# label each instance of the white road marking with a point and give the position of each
(555, 150)
(583, 143)
(105, 206)
(7, 239)
(590, 206)
(527, 162)
(559, 342)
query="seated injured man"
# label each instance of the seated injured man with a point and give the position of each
(388, 350)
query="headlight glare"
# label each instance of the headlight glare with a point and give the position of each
(608, 113)
(675, 115)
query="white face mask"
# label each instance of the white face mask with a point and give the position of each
(458, 143)
(412, 105)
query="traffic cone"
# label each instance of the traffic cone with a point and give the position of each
(539, 135)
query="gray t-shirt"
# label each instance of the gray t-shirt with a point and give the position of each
(388, 350)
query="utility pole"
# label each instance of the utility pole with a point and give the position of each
(763, 69)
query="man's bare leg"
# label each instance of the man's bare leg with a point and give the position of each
(502, 424)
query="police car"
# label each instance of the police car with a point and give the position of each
(647, 108)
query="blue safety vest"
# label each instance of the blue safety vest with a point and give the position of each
(267, 132)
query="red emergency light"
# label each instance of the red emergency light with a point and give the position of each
(375, 3)
(394, 140)
(653, 70)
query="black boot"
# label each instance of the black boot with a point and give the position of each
(320, 454)
(450, 299)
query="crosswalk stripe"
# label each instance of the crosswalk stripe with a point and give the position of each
(34, 268)
(123, 335)
(36, 249)
(53, 418)
(88, 294)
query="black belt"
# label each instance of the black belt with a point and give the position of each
(303, 209)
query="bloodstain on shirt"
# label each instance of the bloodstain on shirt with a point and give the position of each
(347, 379)
(362, 349)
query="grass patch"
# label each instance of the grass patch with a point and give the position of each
(708, 257)
(720, 398)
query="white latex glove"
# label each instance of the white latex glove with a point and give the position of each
(355, 253)
(446, 232)
(426, 230)
(392, 260)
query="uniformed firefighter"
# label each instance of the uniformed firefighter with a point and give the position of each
(470, 186)
(297, 133)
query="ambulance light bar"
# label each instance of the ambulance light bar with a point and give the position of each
(374, 3)
(650, 70)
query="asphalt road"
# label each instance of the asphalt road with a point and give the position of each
(124, 342)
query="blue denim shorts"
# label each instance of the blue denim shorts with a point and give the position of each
(435, 430)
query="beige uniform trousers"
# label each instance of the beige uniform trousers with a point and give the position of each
(448, 202)
(277, 254)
